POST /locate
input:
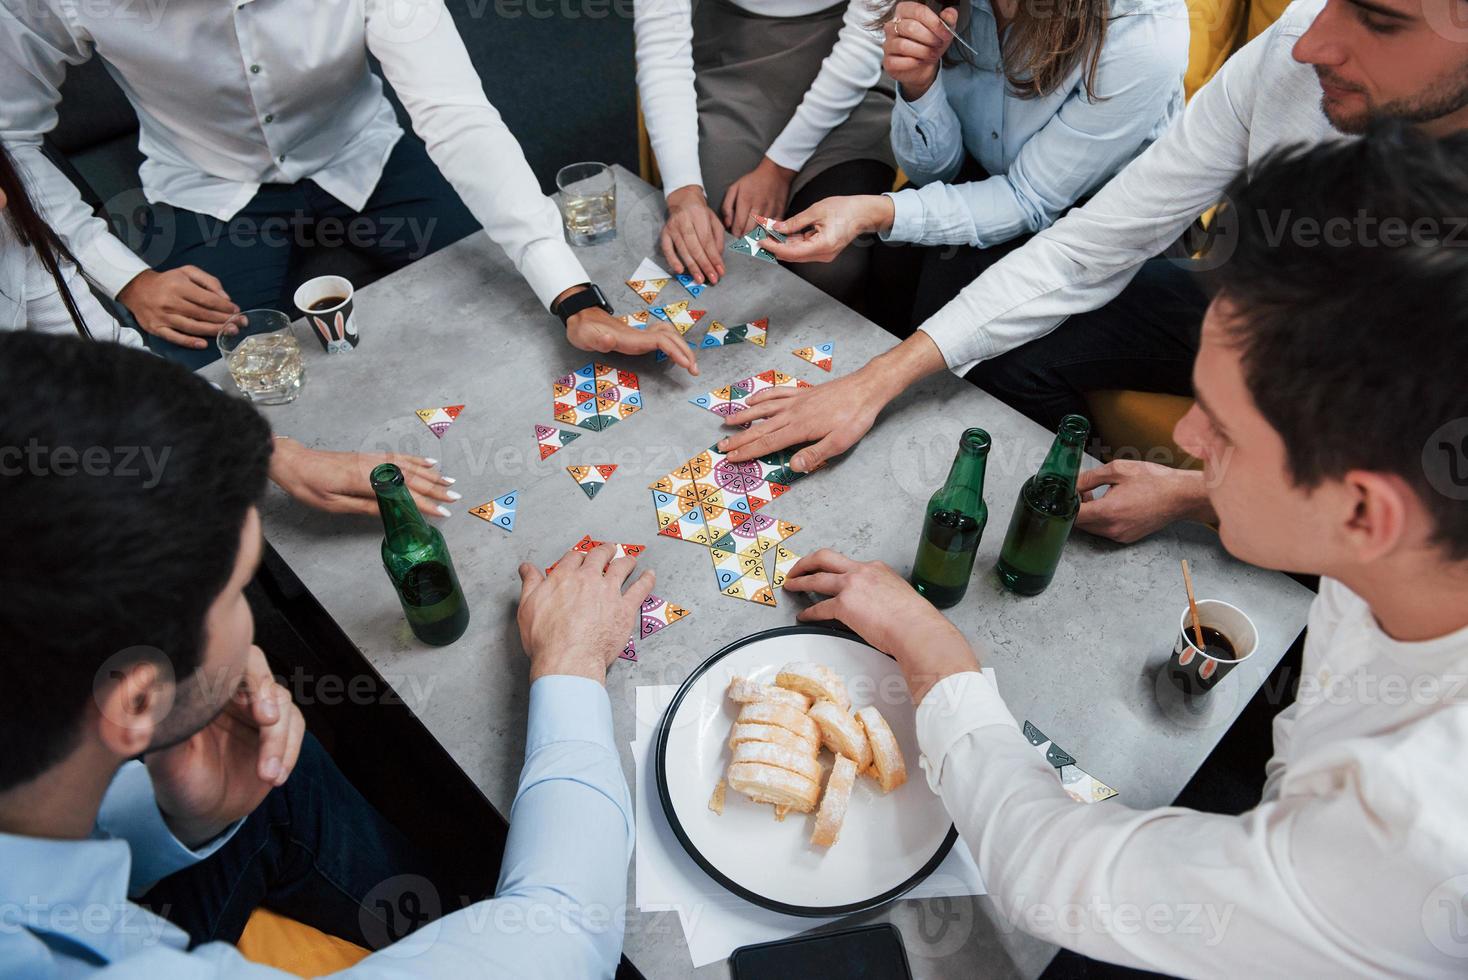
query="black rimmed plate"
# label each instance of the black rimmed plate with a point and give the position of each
(888, 843)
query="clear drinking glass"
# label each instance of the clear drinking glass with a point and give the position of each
(588, 202)
(264, 356)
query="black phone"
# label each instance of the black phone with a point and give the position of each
(865, 953)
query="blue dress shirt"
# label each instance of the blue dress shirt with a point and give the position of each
(1044, 153)
(558, 909)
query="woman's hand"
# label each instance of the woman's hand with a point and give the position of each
(693, 239)
(821, 231)
(915, 42)
(341, 483)
(764, 191)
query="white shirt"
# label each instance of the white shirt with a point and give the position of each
(1346, 868)
(664, 30)
(1044, 153)
(231, 94)
(1261, 100)
(29, 299)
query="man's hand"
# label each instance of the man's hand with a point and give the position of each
(823, 230)
(693, 239)
(915, 40)
(1141, 498)
(183, 306)
(341, 483)
(761, 193)
(885, 611)
(224, 770)
(577, 619)
(834, 415)
(597, 330)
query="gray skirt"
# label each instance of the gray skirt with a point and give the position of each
(751, 72)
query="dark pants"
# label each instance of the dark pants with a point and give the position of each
(1144, 340)
(314, 851)
(845, 277)
(257, 254)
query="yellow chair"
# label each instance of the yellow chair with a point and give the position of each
(294, 947)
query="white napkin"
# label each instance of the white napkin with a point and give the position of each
(716, 922)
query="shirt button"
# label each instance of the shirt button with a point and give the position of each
(993, 135)
(254, 69)
(281, 158)
(270, 117)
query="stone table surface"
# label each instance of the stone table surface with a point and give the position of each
(1082, 660)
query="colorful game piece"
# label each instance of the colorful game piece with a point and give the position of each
(750, 243)
(618, 551)
(733, 398)
(595, 397)
(639, 320)
(694, 287)
(679, 315)
(718, 335)
(1081, 785)
(592, 478)
(552, 439)
(785, 560)
(819, 355)
(648, 280)
(659, 614)
(438, 420)
(500, 511)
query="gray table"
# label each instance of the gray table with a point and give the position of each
(1081, 661)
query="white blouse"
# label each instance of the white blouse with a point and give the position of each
(29, 299)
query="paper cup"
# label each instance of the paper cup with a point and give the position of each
(334, 325)
(1195, 671)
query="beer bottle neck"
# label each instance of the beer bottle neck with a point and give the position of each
(402, 523)
(964, 489)
(1063, 463)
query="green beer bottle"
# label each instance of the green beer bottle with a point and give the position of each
(953, 525)
(418, 563)
(1044, 513)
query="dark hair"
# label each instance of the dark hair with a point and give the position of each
(1349, 285)
(1045, 41)
(124, 484)
(33, 232)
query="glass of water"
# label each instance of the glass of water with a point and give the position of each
(264, 356)
(588, 203)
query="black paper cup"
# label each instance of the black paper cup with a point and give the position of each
(1195, 671)
(334, 324)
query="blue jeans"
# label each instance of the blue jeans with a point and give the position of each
(314, 851)
(257, 254)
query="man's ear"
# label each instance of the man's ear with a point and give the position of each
(1381, 507)
(131, 701)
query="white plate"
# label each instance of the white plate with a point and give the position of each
(888, 843)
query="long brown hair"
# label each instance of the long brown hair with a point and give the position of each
(34, 233)
(1045, 42)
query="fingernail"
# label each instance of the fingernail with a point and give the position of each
(723, 443)
(448, 480)
(430, 460)
(271, 768)
(798, 464)
(454, 495)
(444, 511)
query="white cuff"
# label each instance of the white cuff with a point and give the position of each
(109, 263)
(551, 268)
(954, 707)
(925, 106)
(908, 216)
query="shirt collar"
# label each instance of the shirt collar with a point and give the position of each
(77, 891)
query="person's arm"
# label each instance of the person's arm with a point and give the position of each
(1085, 142)
(36, 45)
(1087, 257)
(853, 67)
(46, 312)
(927, 136)
(664, 36)
(424, 60)
(130, 812)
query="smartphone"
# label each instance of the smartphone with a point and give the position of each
(865, 953)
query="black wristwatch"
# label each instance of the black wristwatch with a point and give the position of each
(585, 299)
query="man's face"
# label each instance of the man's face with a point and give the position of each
(1404, 59)
(229, 630)
(1264, 518)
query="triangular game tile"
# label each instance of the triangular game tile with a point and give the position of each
(592, 478)
(819, 355)
(551, 439)
(648, 280)
(438, 420)
(500, 511)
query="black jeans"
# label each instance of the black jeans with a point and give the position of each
(315, 851)
(256, 255)
(1143, 340)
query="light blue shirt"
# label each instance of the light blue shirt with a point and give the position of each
(558, 909)
(1044, 153)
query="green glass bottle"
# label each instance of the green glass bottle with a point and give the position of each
(1044, 513)
(953, 525)
(418, 563)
